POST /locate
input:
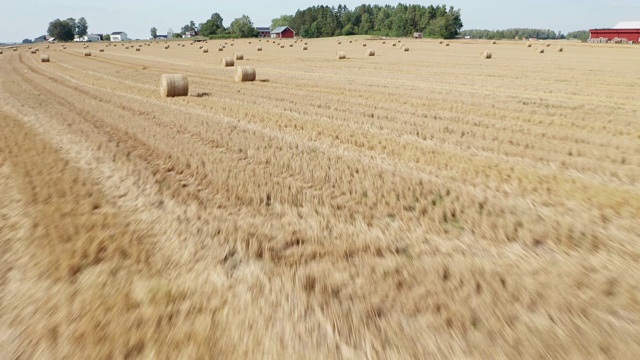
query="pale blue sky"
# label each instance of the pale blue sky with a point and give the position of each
(30, 18)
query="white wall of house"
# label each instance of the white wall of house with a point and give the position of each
(119, 37)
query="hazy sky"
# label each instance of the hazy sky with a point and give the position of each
(29, 19)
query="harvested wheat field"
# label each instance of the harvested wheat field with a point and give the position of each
(422, 204)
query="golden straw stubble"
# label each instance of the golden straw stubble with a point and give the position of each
(245, 73)
(172, 85)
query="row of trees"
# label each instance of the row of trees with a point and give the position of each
(323, 21)
(582, 35)
(512, 34)
(399, 20)
(240, 27)
(66, 30)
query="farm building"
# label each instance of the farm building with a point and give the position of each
(283, 32)
(263, 32)
(418, 35)
(89, 37)
(119, 36)
(626, 31)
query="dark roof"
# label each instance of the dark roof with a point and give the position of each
(117, 33)
(263, 28)
(280, 29)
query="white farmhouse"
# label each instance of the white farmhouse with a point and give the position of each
(90, 37)
(119, 36)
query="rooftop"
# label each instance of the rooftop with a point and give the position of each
(628, 25)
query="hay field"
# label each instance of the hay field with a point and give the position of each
(418, 204)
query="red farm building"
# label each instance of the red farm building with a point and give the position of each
(263, 32)
(283, 32)
(624, 32)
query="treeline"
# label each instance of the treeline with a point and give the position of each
(400, 20)
(582, 35)
(512, 34)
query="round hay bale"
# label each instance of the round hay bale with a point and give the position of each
(245, 73)
(172, 85)
(290, 45)
(101, 50)
(220, 48)
(1, 52)
(529, 45)
(249, 42)
(350, 41)
(126, 48)
(137, 49)
(15, 49)
(393, 44)
(44, 58)
(87, 53)
(29, 47)
(258, 48)
(238, 56)
(446, 44)
(371, 52)
(200, 47)
(227, 61)
(440, 42)
(559, 49)
(485, 55)
(304, 47)
(166, 47)
(205, 50)
(547, 44)
(33, 51)
(399, 40)
(341, 55)
(493, 42)
(46, 47)
(305, 43)
(405, 48)
(364, 44)
(281, 46)
(540, 50)
(339, 42)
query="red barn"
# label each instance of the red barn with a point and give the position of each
(623, 32)
(283, 32)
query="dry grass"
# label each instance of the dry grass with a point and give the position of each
(371, 208)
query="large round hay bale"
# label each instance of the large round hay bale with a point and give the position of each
(364, 44)
(493, 42)
(405, 48)
(238, 56)
(350, 41)
(393, 44)
(371, 52)
(172, 85)
(33, 51)
(137, 49)
(101, 50)
(1, 52)
(220, 48)
(290, 45)
(227, 61)
(44, 58)
(304, 47)
(559, 49)
(485, 55)
(87, 53)
(258, 48)
(15, 49)
(341, 55)
(245, 73)
(166, 47)
(540, 50)
(529, 45)
(205, 50)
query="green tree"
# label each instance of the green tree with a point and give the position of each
(106, 37)
(73, 23)
(243, 27)
(191, 26)
(154, 32)
(62, 30)
(27, 41)
(284, 20)
(582, 35)
(82, 27)
(212, 26)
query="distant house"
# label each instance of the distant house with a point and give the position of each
(263, 32)
(283, 32)
(417, 35)
(43, 38)
(162, 37)
(119, 36)
(89, 38)
(191, 33)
